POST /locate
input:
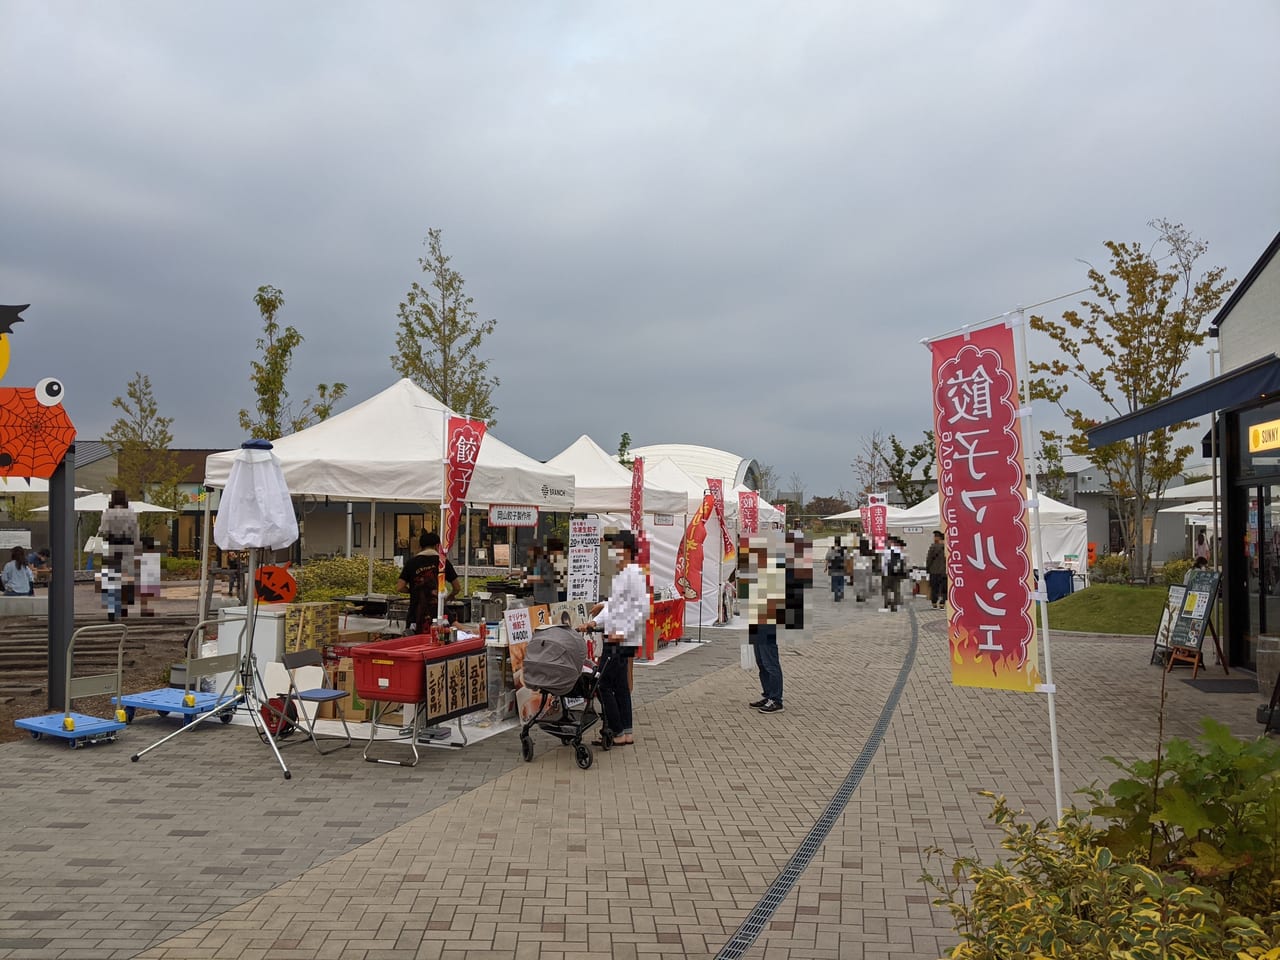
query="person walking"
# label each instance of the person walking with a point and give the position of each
(935, 564)
(835, 560)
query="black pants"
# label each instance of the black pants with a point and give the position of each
(615, 688)
(937, 588)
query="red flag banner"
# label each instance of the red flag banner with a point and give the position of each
(637, 495)
(983, 510)
(716, 486)
(749, 511)
(461, 450)
(878, 510)
(864, 514)
(689, 556)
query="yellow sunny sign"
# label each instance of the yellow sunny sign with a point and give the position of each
(1264, 436)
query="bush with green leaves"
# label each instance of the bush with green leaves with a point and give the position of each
(1111, 568)
(325, 579)
(1179, 858)
(1174, 571)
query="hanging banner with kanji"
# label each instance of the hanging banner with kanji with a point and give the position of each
(983, 512)
(461, 450)
(748, 511)
(637, 495)
(716, 486)
(878, 508)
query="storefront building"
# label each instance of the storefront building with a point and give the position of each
(1246, 399)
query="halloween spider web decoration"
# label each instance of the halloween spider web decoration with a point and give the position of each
(34, 436)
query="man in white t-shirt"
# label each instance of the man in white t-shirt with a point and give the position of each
(622, 618)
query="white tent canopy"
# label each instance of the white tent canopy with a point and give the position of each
(16, 485)
(97, 502)
(1198, 490)
(892, 513)
(1196, 507)
(1064, 528)
(602, 484)
(390, 448)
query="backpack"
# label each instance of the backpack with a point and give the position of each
(896, 567)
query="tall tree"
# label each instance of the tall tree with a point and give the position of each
(275, 414)
(902, 462)
(1129, 349)
(439, 336)
(624, 450)
(140, 439)
(766, 481)
(869, 465)
(797, 490)
(1051, 474)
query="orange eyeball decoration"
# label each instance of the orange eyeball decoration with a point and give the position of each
(275, 584)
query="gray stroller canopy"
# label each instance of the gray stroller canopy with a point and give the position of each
(553, 660)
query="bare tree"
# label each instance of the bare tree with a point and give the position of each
(870, 465)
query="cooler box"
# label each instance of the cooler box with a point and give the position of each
(1058, 584)
(394, 670)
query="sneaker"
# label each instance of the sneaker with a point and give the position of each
(770, 706)
(757, 704)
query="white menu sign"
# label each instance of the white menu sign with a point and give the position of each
(584, 559)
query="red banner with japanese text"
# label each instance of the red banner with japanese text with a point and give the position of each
(864, 515)
(982, 503)
(749, 511)
(688, 579)
(462, 447)
(637, 495)
(716, 486)
(878, 509)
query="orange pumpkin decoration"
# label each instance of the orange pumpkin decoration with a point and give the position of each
(275, 584)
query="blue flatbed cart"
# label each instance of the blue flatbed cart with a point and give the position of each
(79, 729)
(183, 701)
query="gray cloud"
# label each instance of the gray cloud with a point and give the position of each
(712, 223)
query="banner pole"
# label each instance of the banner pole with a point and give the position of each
(444, 496)
(1041, 596)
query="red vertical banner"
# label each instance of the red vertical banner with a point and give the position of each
(878, 511)
(689, 556)
(716, 486)
(864, 514)
(462, 448)
(637, 495)
(749, 511)
(982, 505)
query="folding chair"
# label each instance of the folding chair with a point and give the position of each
(317, 695)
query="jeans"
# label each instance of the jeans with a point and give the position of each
(837, 586)
(764, 638)
(615, 692)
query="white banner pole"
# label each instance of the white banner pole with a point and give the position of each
(1041, 595)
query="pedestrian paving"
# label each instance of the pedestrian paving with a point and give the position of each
(661, 849)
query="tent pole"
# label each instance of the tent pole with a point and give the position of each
(206, 588)
(466, 557)
(350, 528)
(373, 507)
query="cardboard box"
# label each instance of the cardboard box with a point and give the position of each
(344, 678)
(308, 626)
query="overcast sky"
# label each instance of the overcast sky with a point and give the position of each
(727, 224)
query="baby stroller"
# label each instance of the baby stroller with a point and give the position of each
(553, 664)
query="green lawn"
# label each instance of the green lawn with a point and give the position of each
(1109, 608)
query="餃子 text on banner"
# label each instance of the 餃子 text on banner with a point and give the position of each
(982, 501)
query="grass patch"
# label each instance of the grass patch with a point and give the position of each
(1109, 608)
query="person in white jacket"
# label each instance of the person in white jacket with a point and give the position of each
(622, 618)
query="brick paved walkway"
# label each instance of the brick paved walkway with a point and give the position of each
(659, 850)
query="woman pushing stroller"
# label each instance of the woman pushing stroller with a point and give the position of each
(622, 619)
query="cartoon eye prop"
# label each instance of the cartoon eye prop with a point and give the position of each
(49, 392)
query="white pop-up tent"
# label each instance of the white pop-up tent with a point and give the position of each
(603, 485)
(390, 448)
(1064, 530)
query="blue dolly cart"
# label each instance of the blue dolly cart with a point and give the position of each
(184, 702)
(79, 729)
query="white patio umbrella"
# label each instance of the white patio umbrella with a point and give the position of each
(97, 502)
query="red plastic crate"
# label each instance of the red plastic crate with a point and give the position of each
(394, 670)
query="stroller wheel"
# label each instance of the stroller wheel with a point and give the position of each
(584, 756)
(526, 749)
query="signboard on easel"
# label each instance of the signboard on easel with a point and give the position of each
(1186, 616)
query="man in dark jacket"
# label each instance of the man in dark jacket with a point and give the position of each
(935, 565)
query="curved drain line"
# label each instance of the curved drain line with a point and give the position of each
(746, 934)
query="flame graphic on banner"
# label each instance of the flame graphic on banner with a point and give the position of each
(689, 557)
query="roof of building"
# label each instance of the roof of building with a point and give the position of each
(1243, 286)
(701, 462)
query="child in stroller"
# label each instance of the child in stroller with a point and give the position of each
(556, 665)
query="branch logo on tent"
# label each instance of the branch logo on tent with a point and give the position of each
(549, 492)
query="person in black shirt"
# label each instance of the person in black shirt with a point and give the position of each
(418, 578)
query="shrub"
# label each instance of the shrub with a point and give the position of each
(180, 568)
(1175, 570)
(326, 579)
(1181, 858)
(1065, 894)
(1111, 568)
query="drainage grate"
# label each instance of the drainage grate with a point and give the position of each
(746, 934)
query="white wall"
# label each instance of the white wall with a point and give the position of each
(1252, 328)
